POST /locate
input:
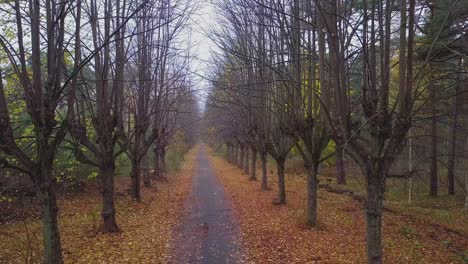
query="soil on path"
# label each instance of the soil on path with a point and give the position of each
(208, 232)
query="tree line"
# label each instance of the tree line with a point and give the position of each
(96, 80)
(374, 78)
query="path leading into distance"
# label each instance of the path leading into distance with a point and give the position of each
(209, 233)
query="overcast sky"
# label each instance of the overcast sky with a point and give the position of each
(203, 47)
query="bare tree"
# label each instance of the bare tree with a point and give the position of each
(46, 90)
(103, 100)
(376, 141)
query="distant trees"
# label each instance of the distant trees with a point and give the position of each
(282, 94)
(296, 74)
(93, 77)
(157, 87)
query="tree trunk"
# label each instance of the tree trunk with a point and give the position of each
(228, 153)
(241, 158)
(464, 108)
(340, 166)
(451, 158)
(109, 223)
(157, 164)
(146, 175)
(162, 158)
(253, 172)
(135, 176)
(246, 162)
(281, 183)
(52, 244)
(311, 219)
(410, 165)
(233, 154)
(433, 173)
(457, 105)
(434, 144)
(466, 176)
(263, 156)
(236, 155)
(374, 206)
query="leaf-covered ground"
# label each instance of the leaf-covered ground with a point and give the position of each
(277, 234)
(146, 226)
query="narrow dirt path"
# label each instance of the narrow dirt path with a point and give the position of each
(208, 232)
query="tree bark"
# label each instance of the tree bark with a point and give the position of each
(452, 157)
(374, 206)
(457, 104)
(232, 156)
(281, 181)
(263, 156)
(340, 166)
(232, 148)
(253, 172)
(52, 244)
(247, 159)
(236, 155)
(109, 223)
(311, 218)
(241, 158)
(228, 153)
(146, 175)
(135, 176)
(162, 158)
(434, 144)
(157, 164)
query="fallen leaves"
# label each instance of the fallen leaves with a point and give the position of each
(277, 234)
(146, 226)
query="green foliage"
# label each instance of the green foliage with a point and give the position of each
(220, 150)
(93, 175)
(174, 159)
(409, 232)
(123, 166)
(441, 33)
(328, 150)
(176, 152)
(6, 199)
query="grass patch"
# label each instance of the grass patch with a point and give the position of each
(174, 159)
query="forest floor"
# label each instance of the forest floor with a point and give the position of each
(277, 234)
(146, 227)
(209, 212)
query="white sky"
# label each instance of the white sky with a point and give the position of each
(203, 47)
